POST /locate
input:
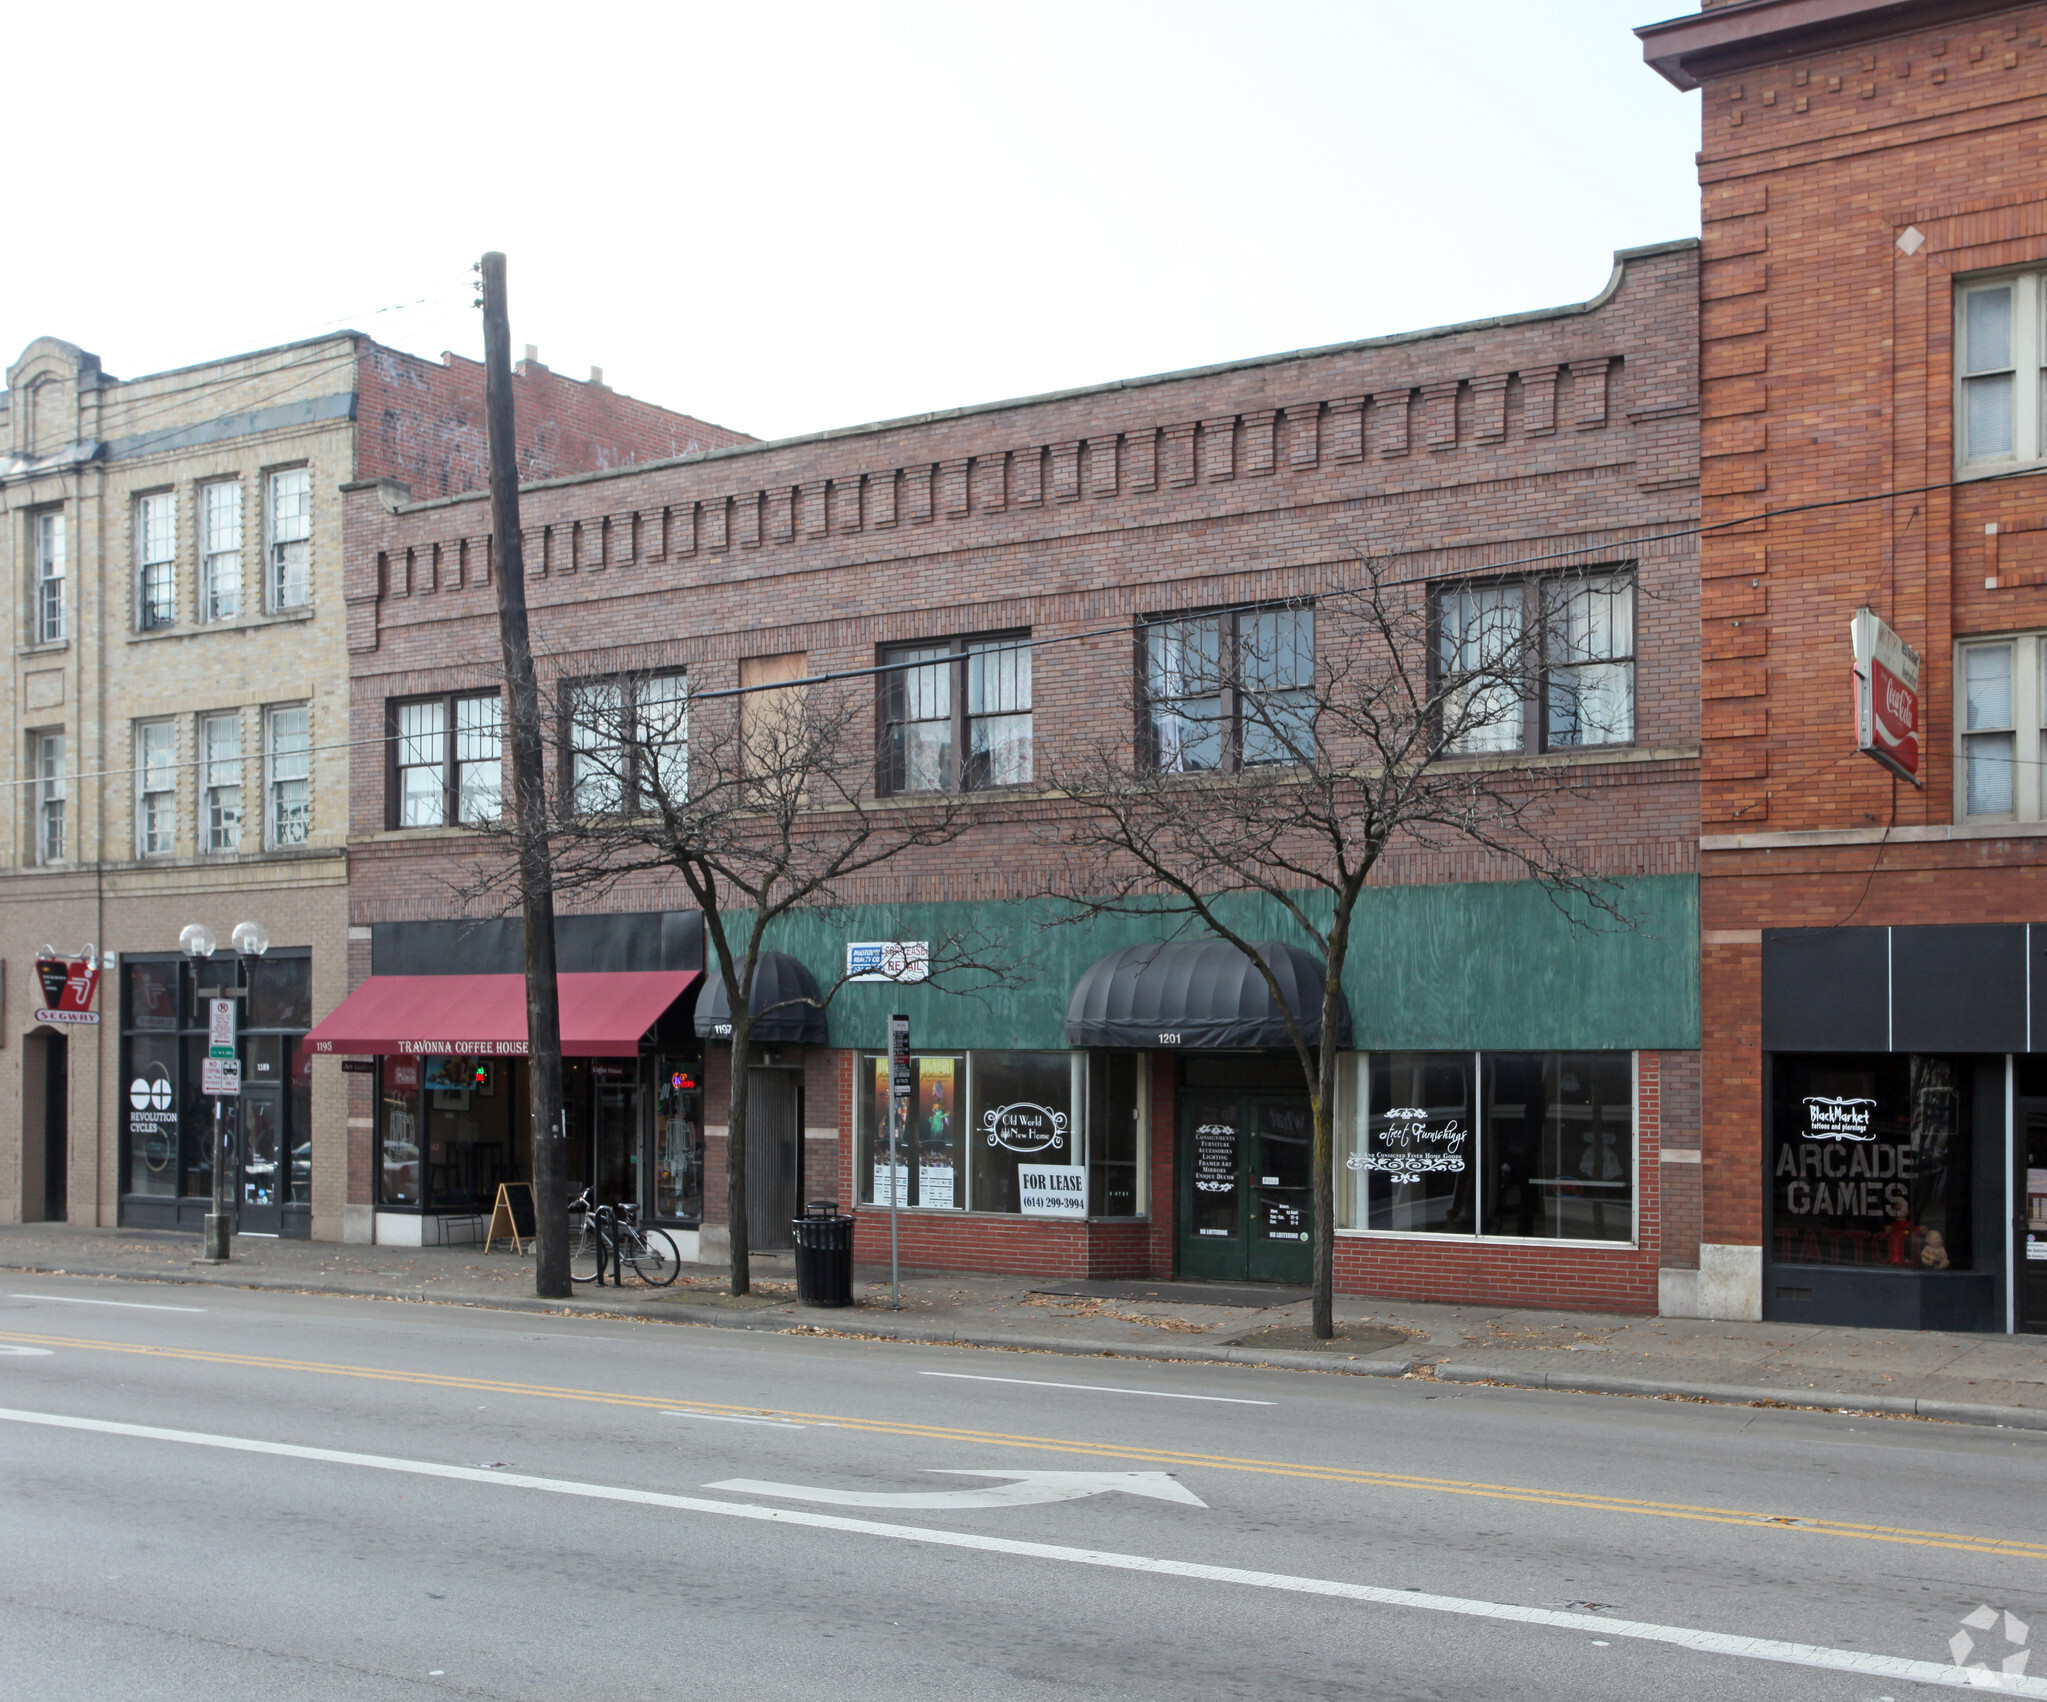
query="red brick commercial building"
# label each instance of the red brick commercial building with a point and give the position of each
(1873, 301)
(1561, 1064)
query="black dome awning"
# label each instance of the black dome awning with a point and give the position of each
(779, 983)
(1205, 993)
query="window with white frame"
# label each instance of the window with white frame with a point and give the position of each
(2001, 728)
(46, 755)
(2000, 350)
(288, 783)
(156, 788)
(220, 781)
(220, 550)
(291, 538)
(156, 560)
(49, 577)
(1524, 1145)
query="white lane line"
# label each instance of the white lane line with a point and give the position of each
(1679, 1636)
(1098, 1388)
(129, 1305)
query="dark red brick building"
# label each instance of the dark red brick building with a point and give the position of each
(1874, 183)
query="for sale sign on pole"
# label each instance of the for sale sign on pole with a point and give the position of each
(1886, 696)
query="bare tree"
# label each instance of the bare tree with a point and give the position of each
(763, 802)
(1289, 748)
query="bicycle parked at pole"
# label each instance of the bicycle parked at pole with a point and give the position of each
(609, 1238)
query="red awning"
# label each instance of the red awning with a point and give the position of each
(602, 1015)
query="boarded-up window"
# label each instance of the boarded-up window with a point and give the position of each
(770, 721)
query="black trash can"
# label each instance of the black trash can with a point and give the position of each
(824, 1256)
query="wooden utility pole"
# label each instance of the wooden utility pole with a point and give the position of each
(529, 798)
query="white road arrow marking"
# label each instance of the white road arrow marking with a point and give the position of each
(1030, 1489)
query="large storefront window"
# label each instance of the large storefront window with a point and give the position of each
(1870, 1161)
(1522, 1145)
(168, 1119)
(451, 1130)
(976, 1118)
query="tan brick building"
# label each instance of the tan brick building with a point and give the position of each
(176, 742)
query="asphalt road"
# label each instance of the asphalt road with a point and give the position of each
(233, 1495)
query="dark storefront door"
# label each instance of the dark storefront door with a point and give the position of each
(2030, 1219)
(259, 1120)
(1246, 1185)
(56, 1127)
(774, 1157)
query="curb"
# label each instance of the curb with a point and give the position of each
(1741, 1394)
(846, 1323)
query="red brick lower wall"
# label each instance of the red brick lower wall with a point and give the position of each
(1496, 1272)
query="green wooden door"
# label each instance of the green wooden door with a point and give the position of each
(1246, 1194)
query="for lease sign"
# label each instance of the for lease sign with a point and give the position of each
(1052, 1190)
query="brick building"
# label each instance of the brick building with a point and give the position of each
(1490, 454)
(176, 725)
(1874, 183)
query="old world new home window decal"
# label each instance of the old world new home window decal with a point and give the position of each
(1886, 696)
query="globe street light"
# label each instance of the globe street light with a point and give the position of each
(249, 940)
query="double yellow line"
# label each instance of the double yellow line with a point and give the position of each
(1532, 1494)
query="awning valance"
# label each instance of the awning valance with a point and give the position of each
(602, 1015)
(1197, 995)
(786, 1006)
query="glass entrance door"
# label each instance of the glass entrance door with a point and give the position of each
(1246, 1185)
(2030, 1219)
(259, 1113)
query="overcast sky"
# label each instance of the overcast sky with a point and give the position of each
(789, 217)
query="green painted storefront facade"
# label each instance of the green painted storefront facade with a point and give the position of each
(1499, 965)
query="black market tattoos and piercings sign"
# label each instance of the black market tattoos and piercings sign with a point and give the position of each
(1839, 1119)
(1406, 1147)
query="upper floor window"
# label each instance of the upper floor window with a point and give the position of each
(291, 538)
(49, 580)
(46, 754)
(628, 742)
(156, 788)
(447, 760)
(1537, 664)
(220, 781)
(1229, 690)
(156, 560)
(288, 754)
(2001, 728)
(2000, 350)
(220, 550)
(956, 714)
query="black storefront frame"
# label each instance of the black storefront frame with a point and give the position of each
(181, 1210)
(647, 1065)
(1973, 992)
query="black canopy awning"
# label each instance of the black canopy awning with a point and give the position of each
(780, 984)
(1195, 995)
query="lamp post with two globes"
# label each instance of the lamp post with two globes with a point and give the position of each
(250, 941)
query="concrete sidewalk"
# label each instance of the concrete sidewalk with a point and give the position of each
(1967, 1378)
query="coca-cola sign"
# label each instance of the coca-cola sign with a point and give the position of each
(1886, 696)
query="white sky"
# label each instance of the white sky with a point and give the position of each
(788, 217)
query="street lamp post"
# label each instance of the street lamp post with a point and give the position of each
(197, 942)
